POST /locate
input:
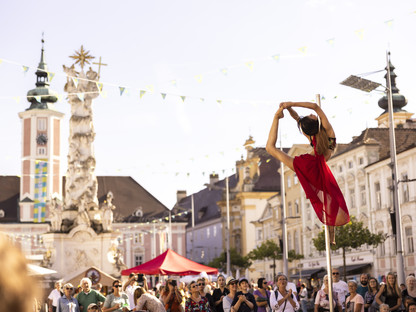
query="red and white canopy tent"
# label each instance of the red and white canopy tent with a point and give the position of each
(170, 263)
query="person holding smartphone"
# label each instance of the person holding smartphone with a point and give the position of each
(171, 297)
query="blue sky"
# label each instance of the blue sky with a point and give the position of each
(169, 144)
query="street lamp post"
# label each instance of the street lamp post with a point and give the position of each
(368, 86)
(227, 230)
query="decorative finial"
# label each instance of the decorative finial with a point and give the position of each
(43, 40)
(82, 57)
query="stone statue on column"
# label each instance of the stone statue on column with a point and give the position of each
(107, 212)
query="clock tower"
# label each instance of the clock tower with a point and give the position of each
(41, 123)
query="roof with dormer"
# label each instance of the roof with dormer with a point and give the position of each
(379, 137)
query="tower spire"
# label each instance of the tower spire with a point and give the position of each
(42, 97)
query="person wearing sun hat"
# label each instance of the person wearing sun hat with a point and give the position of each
(231, 283)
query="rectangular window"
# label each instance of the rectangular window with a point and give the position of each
(405, 188)
(289, 181)
(208, 232)
(389, 192)
(41, 150)
(297, 209)
(289, 209)
(350, 164)
(138, 238)
(363, 199)
(295, 179)
(42, 124)
(138, 259)
(308, 212)
(340, 168)
(259, 234)
(352, 197)
(215, 231)
(409, 239)
(378, 195)
(361, 160)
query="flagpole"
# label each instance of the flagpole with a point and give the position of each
(327, 246)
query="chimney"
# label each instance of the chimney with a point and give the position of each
(180, 194)
(213, 178)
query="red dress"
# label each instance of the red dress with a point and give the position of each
(321, 188)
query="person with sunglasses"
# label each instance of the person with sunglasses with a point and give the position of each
(67, 303)
(322, 299)
(339, 286)
(116, 301)
(196, 302)
(231, 283)
(262, 295)
(354, 302)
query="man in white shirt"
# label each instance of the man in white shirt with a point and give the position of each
(339, 286)
(129, 287)
(54, 296)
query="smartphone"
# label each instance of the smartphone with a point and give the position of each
(174, 283)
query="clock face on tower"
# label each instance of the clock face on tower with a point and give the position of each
(42, 139)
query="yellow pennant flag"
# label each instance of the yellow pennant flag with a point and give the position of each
(17, 99)
(122, 89)
(331, 41)
(51, 76)
(276, 57)
(1, 61)
(173, 82)
(183, 98)
(150, 88)
(163, 95)
(219, 103)
(25, 68)
(360, 33)
(224, 71)
(250, 65)
(202, 99)
(389, 23)
(104, 94)
(81, 96)
(142, 92)
(198, 78)
(303, 49)
(75, 81)
(99, 86)
(38, 99)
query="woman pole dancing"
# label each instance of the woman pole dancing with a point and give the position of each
(314, 174)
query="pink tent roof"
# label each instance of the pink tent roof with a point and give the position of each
(170, 263)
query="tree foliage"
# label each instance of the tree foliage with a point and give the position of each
(352, 235)
(237, 261)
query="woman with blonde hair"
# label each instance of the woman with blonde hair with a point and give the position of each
(311, 169)
(146, 301)
(322, 298)
(391, 293)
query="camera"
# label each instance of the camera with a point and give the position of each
(174, 283)
(140, 280)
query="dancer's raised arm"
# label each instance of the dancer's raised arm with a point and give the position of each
(324, 120)
(271, 141)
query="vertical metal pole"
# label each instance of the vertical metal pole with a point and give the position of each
(227, 233)
(170, 230)
(284, 230)
(327, 247)
(396, 203)
(193, 224)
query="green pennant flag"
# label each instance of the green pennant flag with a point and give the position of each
(276, 57)
(25, 68)
(122, 89)
(50, 76)
(81, 96)
(75, 81)
(38, 99)
(219, 102)
(163, 95)
(142, 92)
(183, 98)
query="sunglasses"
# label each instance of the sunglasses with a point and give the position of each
(117, 286)
(68, 288)
(264, 282)
(335, 273)
(201, 284)
(233, 283)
